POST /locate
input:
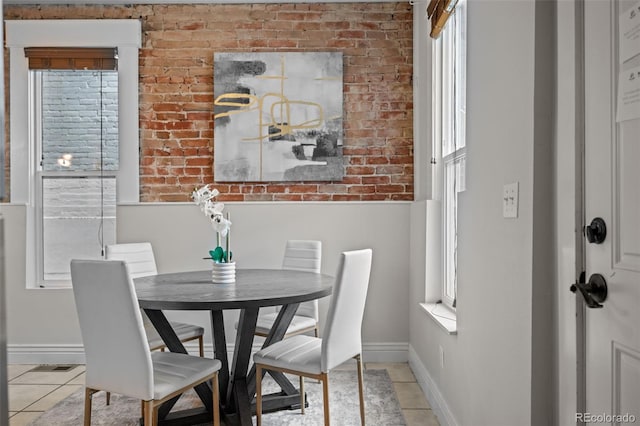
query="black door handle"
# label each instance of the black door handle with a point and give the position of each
(594, 292)
(596, 231)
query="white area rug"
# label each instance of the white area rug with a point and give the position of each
(382, 407)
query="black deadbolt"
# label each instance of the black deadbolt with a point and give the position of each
(596, 232)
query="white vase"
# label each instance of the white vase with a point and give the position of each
(223, 273)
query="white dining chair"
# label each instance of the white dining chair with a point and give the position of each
(308, 356)
(299, 255)
(142, 263)
(118, 357)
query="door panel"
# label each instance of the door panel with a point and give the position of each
(612, 192)
(626, 207)
(626, 380)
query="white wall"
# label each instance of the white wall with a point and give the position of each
(42, 323)
(502, 263)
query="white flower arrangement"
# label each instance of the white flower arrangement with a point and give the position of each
(204, 198)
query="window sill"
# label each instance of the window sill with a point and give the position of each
(442, 315)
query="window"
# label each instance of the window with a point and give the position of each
(73, 136)
(449, 138)
(75, 123)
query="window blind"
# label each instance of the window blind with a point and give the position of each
(438, 11)
(71, 58)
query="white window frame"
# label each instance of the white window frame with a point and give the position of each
(449, 139)
(42, 174)
(126, 36)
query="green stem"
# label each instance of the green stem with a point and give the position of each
(228, 240)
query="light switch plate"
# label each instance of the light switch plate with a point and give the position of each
(510, 200)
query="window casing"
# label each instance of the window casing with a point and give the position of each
(30, 182)
(449, 138)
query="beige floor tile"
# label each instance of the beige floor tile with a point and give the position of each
(21, 396)
(53, 398)
(349, 365)
(420, 418)
(78, 380)
(24, 418)
(410, 396)
(398, 372)
(47, 377)
(37, 392)
(374, 365)
(14, 370)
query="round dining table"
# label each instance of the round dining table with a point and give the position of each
(252, 290)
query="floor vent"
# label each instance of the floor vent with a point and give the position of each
(53, 367)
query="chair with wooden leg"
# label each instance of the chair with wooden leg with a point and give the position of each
(314, 357)
(299, 255)
(142, 263)
(118, 357)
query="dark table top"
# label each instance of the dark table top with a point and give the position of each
(253, 288)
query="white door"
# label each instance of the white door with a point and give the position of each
(612, 192)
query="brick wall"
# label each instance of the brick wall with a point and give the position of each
(176, 90)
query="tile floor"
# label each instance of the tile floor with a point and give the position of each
(31, 393)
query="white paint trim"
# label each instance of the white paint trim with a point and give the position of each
(422, 146)
(21, 147)
(73, 33)
(579, 177)
(445, 317)
(385, 352)
(74, 354)
(433, 258)
(128, 181)
(432, 393)
(45, 354)
(126, 35)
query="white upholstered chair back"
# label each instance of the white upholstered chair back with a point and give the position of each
(139, 258)
(304, 255)
(140, 261)
(342, 337)
(117, 353)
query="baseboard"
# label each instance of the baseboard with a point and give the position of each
(45, 354)
(432, 392)
(74, 354)
(385, 352)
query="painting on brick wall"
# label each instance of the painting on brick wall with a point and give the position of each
(278, 116)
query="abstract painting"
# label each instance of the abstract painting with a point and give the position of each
(278, 116)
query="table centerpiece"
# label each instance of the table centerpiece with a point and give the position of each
(223, 267)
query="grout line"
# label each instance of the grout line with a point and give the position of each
(26, 409)
(67, 383)
(18, 376)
